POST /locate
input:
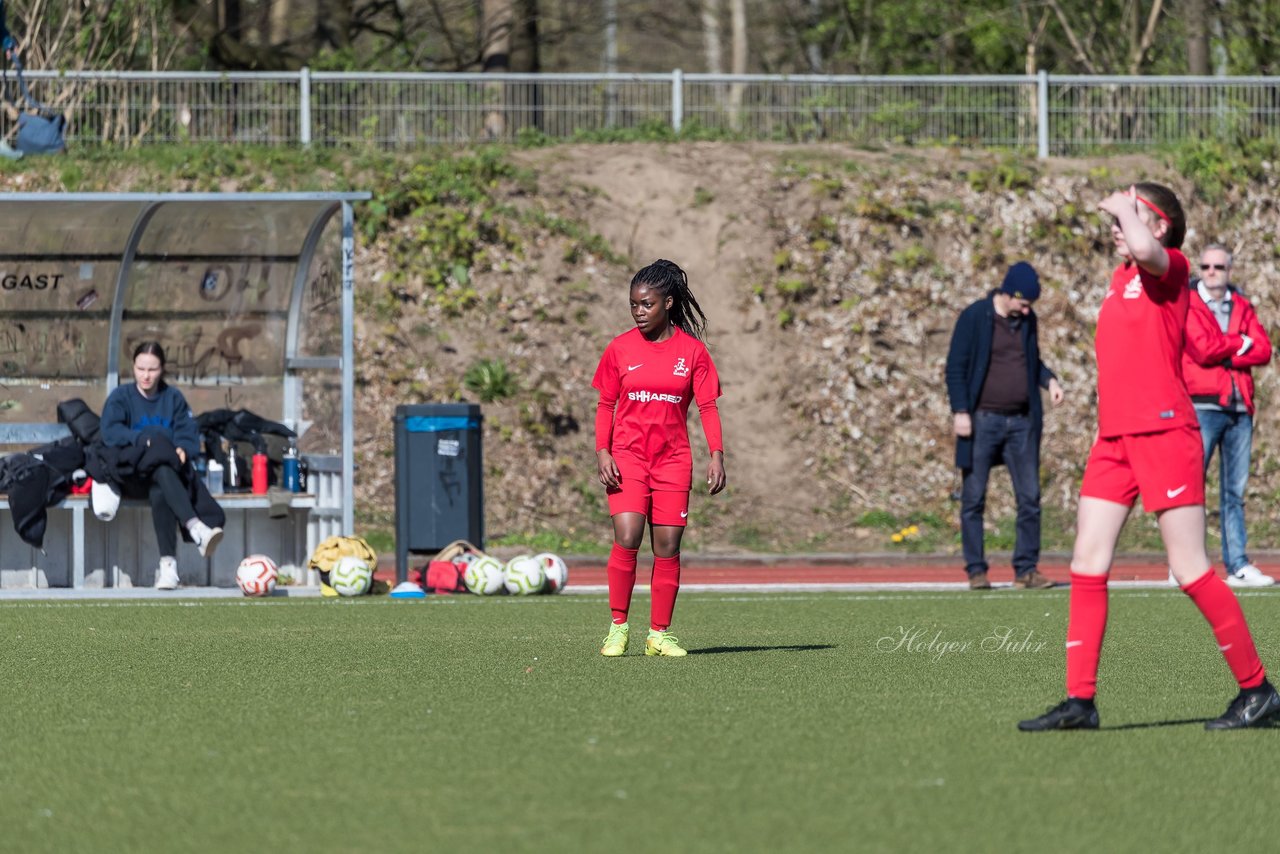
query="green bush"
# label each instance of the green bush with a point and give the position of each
(491, 380)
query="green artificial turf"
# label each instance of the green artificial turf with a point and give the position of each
(799, 722)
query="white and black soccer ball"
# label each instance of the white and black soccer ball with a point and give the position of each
(484, 576)
(557, 573)
(256, 575)
(351, 576)
(524, 576)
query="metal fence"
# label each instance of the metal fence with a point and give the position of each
(1047, 114)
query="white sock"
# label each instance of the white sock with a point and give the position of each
(192, 523)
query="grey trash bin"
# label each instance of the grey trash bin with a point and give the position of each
(439, 479)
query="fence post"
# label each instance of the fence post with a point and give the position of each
(304, 106)
(1042, 114)
(677, 99)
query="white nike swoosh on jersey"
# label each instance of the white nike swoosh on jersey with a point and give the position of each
(1174, 493)
(684, 515)
(633, 367)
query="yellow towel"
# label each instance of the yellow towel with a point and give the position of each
(329, 551)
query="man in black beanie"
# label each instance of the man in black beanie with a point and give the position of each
(994, 377)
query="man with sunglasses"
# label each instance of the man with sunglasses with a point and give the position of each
(1224, 343)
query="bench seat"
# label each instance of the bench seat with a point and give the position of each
(82, 551)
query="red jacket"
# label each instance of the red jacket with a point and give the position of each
(1209, 360)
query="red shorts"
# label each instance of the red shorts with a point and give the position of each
(1165, 468)
(640, 491)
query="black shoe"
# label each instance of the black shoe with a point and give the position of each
(1071, 713)
(1255, 707)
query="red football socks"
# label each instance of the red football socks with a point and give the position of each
(1221, 608)
(1086, 625)
(664, 587)
(621, 570)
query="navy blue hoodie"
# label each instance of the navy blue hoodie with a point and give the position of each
(127, 415)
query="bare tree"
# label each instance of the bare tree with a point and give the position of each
(498, 18)
(280, 15)
(711, 36)
(1195, 15)
(738, 16)
(334, 23)
(611, 61)
(1100, 55)
(813, 50)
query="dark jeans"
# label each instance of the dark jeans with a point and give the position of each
(1006, 439)
(1233, 433)
(170, 505)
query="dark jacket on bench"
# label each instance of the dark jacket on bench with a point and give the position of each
(128, 471)
(37, 480)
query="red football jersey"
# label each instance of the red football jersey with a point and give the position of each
(645, 391)
(1139, 348)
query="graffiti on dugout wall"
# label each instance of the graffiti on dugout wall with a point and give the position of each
(197, 359)
(45, 348)
(204, 351)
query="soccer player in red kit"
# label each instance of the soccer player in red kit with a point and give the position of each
(647, 378)
(1148, 444)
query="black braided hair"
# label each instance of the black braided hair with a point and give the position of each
(668, 279)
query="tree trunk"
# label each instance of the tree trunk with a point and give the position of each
(534, 89)
(1195, 15)
(711, 36)
(231, 24)
(495, 54)
(333, 23)
(610, 62)
(738, 16)
(281, 17)
(813, 50)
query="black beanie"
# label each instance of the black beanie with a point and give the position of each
(1022, 282)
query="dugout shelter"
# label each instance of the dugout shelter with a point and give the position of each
(251, 296)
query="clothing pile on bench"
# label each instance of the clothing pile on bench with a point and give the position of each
(44, 476)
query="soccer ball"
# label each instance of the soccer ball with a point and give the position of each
(484, 576)
(350, 576)
(524, 576)
(556, 571)
(256, 575)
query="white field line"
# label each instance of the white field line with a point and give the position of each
(200, 597)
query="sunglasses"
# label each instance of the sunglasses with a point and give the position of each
(1213, 266)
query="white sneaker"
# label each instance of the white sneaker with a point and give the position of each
(206, 538)
(167, 576)
(105, 500)
(1249, 576)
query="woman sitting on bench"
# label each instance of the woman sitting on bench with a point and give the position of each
(153, 418)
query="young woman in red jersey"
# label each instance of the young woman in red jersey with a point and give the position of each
(647, 378)
(1148, 444)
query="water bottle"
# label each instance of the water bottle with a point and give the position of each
(259, 483)
(213, 477)
(292, 480)
(235, 471)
